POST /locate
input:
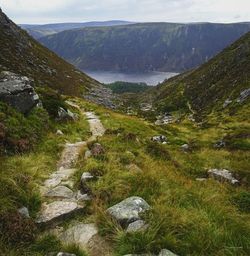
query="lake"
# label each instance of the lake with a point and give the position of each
(150, 78)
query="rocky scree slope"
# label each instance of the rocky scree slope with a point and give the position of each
(222, 84)
(144, 47)
(22, 55)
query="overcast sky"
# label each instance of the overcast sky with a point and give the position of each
(50, 11)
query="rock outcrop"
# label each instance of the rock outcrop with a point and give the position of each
(223, 175)
(17, 91)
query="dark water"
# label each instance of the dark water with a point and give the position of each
(150, 78)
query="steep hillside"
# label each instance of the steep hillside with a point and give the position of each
(144, 47)
(221, 84)
(38, 31)
(21, 54)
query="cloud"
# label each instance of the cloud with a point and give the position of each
(47, 11)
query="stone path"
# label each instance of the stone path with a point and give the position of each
(62, 203)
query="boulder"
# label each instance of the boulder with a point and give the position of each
(88, 154)
(137, 226)
(82, 197)
(128, 210)
(220, 144)
(17, 91)
(97, 149)
(166, 252)
(79, 234)
(159, 138)
(223, 175)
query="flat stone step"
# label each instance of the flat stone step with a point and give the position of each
(55, 212)
(80, 235)
(60, 192)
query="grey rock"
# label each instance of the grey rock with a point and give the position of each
(226, 103)
(159, 138)
(244, 95)
(128, 210)
(185, 147)
(137, 226)
(166, 252)
(223, 175)
(24, 212)
(65, 114)
(220, 144)
(88, 154)
(79, 234)
(164, 119)
(65, 254)
(82, 197)
(59, 133)
(86, 176)
(56, 211)
(60, 192)
(18, 92)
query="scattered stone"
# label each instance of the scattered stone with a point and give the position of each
(159, 138)
(166, 252)
(145, 107)
(222, 175)
(97, 150)
(57, 211)
(60, 192)
(137, 226)
(128, 210)
(244, 95)
(65, 254)
(134, 168)
(226, 103)
(80, 235)
(24, 212)
(18, 92)
(200, 179)
(164, 119)
(88, 154)
(185, 147)
(220, 144)
(65, 114)
(82, 197)
(59, 133)
(86, 176)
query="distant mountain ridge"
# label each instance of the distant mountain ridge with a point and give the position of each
(38, 31)
(143, 47)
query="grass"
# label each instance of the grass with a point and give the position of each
(187, 216)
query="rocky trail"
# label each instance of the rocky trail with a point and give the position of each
(62, 203)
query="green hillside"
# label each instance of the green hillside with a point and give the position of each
(207, 88)
(21, 54)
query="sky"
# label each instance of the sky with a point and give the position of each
(55, 11)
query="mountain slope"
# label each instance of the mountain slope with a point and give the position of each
(144, 47)
(23, 55)
(222, 83)
(38, 31)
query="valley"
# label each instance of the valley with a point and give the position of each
(98, 163)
